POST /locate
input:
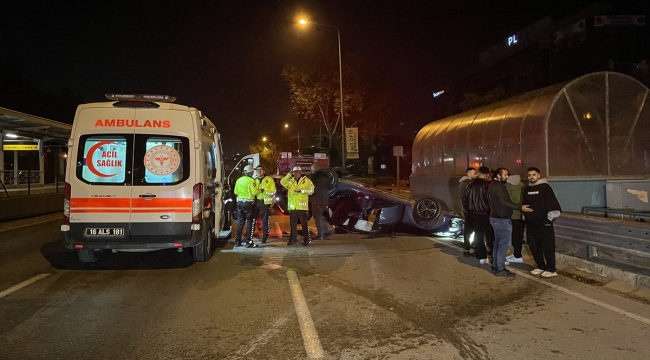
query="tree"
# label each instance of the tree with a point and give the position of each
(268, 155)
(315, 95)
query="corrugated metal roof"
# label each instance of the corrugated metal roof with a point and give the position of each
(33, 126)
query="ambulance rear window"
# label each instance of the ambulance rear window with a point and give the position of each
(102, 159)
(160, 160)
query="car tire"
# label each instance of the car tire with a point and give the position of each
(426, 211)
(88, 255)
(334, 178)
(202, 251)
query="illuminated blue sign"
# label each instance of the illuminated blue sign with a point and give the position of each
(512, 40)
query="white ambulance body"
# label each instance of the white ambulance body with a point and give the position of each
(144, 174)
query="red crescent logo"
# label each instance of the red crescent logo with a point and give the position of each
(89, 158)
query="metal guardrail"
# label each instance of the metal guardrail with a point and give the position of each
(636, 215)
(620, 237)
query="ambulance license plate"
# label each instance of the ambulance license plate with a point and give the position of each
(104, 231)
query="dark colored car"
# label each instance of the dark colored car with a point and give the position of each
(358, 207)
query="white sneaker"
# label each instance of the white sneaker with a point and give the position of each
(536, 271)
(548, 274)
(484, 261)
(516, 260)
(507, 263)
(510, 257)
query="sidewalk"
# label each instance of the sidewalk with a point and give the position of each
(615, 279)
(35, 189)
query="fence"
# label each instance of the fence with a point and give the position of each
(24, 182)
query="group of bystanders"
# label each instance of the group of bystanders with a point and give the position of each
(498, 207)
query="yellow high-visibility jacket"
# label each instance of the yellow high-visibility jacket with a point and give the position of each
(298, 200)
(266, 185)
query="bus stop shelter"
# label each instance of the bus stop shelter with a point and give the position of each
(32, 149)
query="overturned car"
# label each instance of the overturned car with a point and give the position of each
(358, 207)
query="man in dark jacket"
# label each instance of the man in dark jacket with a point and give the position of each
(541, 208)
(470, 174)
(501, 208)
(475, 203)
(320, 201)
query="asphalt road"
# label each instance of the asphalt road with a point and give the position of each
(345, 298)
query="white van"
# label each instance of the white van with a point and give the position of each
(144, 174)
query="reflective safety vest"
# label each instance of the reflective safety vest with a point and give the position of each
(298, 200)
(246, 188)
(267, 189)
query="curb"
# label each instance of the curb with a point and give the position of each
(630, 278)
(29, 221)
(586, 266)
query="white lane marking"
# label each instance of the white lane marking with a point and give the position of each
(264, 337)
(583, 297)
(22, 285)
(573, 293)
(309, 335)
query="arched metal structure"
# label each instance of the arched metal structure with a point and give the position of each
(596, 127)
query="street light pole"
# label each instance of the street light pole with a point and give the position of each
(342, 109)
(338, 33)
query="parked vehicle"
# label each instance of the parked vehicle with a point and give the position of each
(144, 174)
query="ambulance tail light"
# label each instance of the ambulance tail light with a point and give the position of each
(197, 206)
(66, 203)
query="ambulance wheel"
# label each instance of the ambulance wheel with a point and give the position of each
(88, 255)
(202, 251)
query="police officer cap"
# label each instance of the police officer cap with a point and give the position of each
(248, 169)
(296, 168)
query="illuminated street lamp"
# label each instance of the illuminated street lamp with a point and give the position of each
(264, 139)
(286, 126)
(338, 32)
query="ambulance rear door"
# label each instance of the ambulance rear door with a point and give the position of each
(100, 186)
(163, 178)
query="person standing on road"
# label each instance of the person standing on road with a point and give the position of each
(245, 190)
(475, 202)
(541, 208)
(298, 190)
(516, 191)
(320, 201)
(501, 208)
(266, 186)
(470, 174)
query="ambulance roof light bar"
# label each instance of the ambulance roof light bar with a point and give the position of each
(141, 97)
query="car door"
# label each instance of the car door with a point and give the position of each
(162, 177)
(229, 185)
(100, 195)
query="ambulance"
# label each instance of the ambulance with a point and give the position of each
(145, 174)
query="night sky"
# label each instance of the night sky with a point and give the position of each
(225, 57)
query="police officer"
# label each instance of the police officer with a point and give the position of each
(298, 189)
(246, 191)
(266, 186)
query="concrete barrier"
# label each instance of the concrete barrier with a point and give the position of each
(23, 206)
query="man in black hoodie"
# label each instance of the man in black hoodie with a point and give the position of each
(541, 208)
(501, 208)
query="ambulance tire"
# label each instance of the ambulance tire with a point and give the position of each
(202, 252)
(88, 255)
